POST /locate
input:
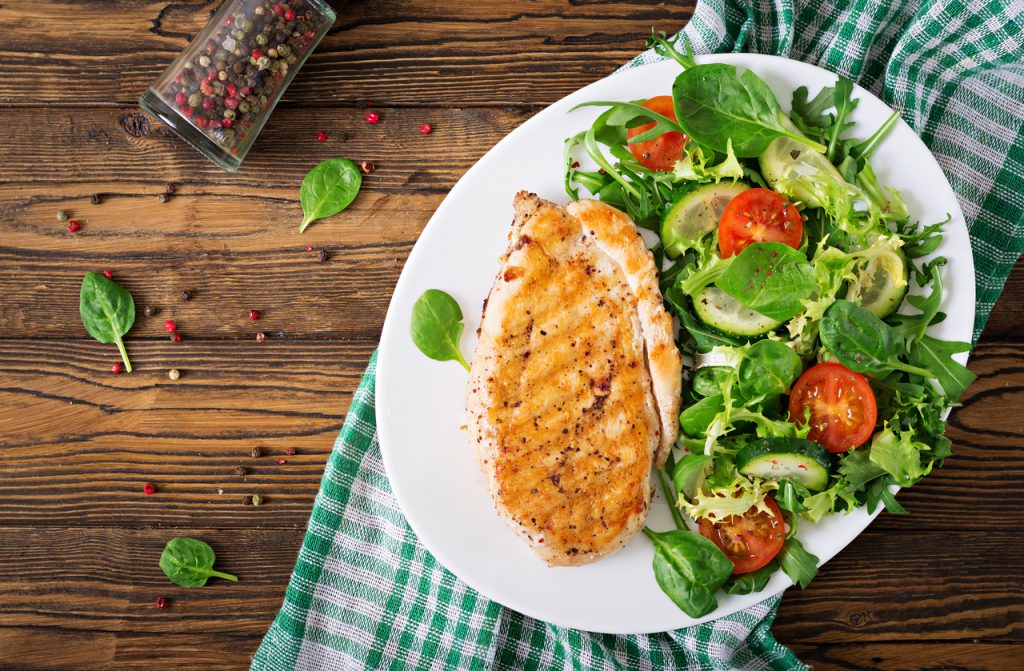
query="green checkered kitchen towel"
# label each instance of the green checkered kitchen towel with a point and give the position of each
(366, 594)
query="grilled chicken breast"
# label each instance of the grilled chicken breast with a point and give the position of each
(574, 390)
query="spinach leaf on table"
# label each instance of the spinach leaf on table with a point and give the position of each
(328, 189)
(714, 104)
(862, 342)
(189, 562)
(689, 569)
(107, 310)
(751, 582)
(436, 326)
(770, 278)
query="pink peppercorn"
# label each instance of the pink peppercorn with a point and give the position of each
(180, 98)
(73, 226)
(280, 461)
(170, 326)
(321, 136)
(202, 121)
(232, 90)
(162, 603)
(254, 315)
(176, 337)
(208, 104)
(257, 54)
(187, 111)
(231, 103)
(107, 274)
(372, 117)
(279, 9)
(227, 123)
(289, 14)
(425, 129)
(246, 90)
(117, 368)
(149, 488)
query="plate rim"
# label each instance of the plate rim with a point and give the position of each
(393, 321)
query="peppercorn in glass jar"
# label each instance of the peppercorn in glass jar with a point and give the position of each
(222, 88)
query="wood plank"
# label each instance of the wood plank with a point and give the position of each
(967, 656)
(107, 579)
(100, 437)
(389, 51)
(1007, 318)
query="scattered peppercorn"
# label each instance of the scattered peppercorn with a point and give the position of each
(162, 197)
(73, 226)
(162, 603)
(95, 199)
(309, 248)
(256, 453)
(170, 188)
(62, 215)
(149, 488)
(108, 274)
(254, 315)
(425, 129)
(185, 295)
(149, 311)
(290, 451)
(176, 337)
(170, 326)
(173, 373)
(117, 368)
(321, 136)
(372, 117)
(366, 166)
(321, 256)
(280, 462)
(246, 500)
(257, 500)
(240, 471)
(261, 336)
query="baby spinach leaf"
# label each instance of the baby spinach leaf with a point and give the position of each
(771, 278)
(708, 381)
(685, 470)
(689, 569)
(328, 189)
(107, 310)
(714, 105)
(751, 582)
(937, 356)
(862, 342)
(799, 564)
(436, 326)
(189, 562)
(695, 420)
(768, 369)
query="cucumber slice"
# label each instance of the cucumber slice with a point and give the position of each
(719, 310)
(881, 284)
(695, 215)
(802, 461)
(786, 158)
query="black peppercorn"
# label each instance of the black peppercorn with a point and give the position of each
(240, 471)
(321, 256)
(150, 311)
(185, 295)
(256, 453)
(246, 500)
(96, 199)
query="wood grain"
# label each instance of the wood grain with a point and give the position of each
(481, 53)
(102, 436)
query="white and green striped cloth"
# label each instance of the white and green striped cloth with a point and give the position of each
(365, 594)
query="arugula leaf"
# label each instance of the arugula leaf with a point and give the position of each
(844, 103)
(808, 115)
(107, 310)
(878, 492)
(912, 327)
(799, 564)
(689, 569)
(436, 326)
(937, 356)
(751, 582)
(714, 106)
(663, 47)
(791, 495)
(770, 278)
(328, 188)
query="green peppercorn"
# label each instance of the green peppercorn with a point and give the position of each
(261, 40)
(229, 114)
(292, 59)
(272, 52)
(244, 107)
(222, 75)
(195, 100)
(257, 500)
(237, 34)
(284, 51)
(245, 25)
(204, 61)
(161, 198)
(259, 11)
(62, 215)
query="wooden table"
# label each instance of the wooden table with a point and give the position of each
(79, 540)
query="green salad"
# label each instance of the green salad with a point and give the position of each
(816, 387)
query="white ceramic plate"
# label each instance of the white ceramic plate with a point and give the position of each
(421, 403)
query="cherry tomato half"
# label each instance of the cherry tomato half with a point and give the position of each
(841, 403)
(662, 152)
(758, 215)
(750, 541)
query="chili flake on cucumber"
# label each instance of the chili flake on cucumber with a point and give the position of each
(817, 389)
